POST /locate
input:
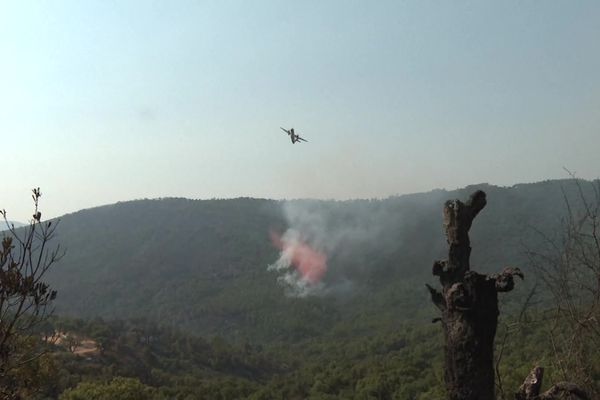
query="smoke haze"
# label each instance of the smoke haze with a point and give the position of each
(331, 247)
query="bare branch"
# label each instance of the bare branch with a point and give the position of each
(24, 296)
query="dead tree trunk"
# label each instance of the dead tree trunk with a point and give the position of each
(469, 305)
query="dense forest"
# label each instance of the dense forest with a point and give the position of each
(177, 298)
(202, 265)
(138, 358)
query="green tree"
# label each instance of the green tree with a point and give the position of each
(117, 389)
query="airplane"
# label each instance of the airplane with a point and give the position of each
(295, 138)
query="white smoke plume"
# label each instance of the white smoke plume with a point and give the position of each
(345, 233)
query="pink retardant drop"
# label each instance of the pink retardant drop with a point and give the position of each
(311, 264)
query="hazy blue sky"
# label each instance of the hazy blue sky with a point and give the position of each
(102, 101)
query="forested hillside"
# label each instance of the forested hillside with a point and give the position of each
(139, 360)
(202, 265)
(188, 299)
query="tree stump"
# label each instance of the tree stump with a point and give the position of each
(530, 389)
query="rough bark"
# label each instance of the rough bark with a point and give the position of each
(469, 305)
(530, 389)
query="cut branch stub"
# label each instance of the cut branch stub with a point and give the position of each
(505, 281)
(439, 268)
(437, 298)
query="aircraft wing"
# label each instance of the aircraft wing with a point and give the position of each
(304, 140)
(285, 130)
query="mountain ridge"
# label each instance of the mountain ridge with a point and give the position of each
(203, 264)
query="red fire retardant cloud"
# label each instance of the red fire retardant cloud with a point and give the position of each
(310, 263)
